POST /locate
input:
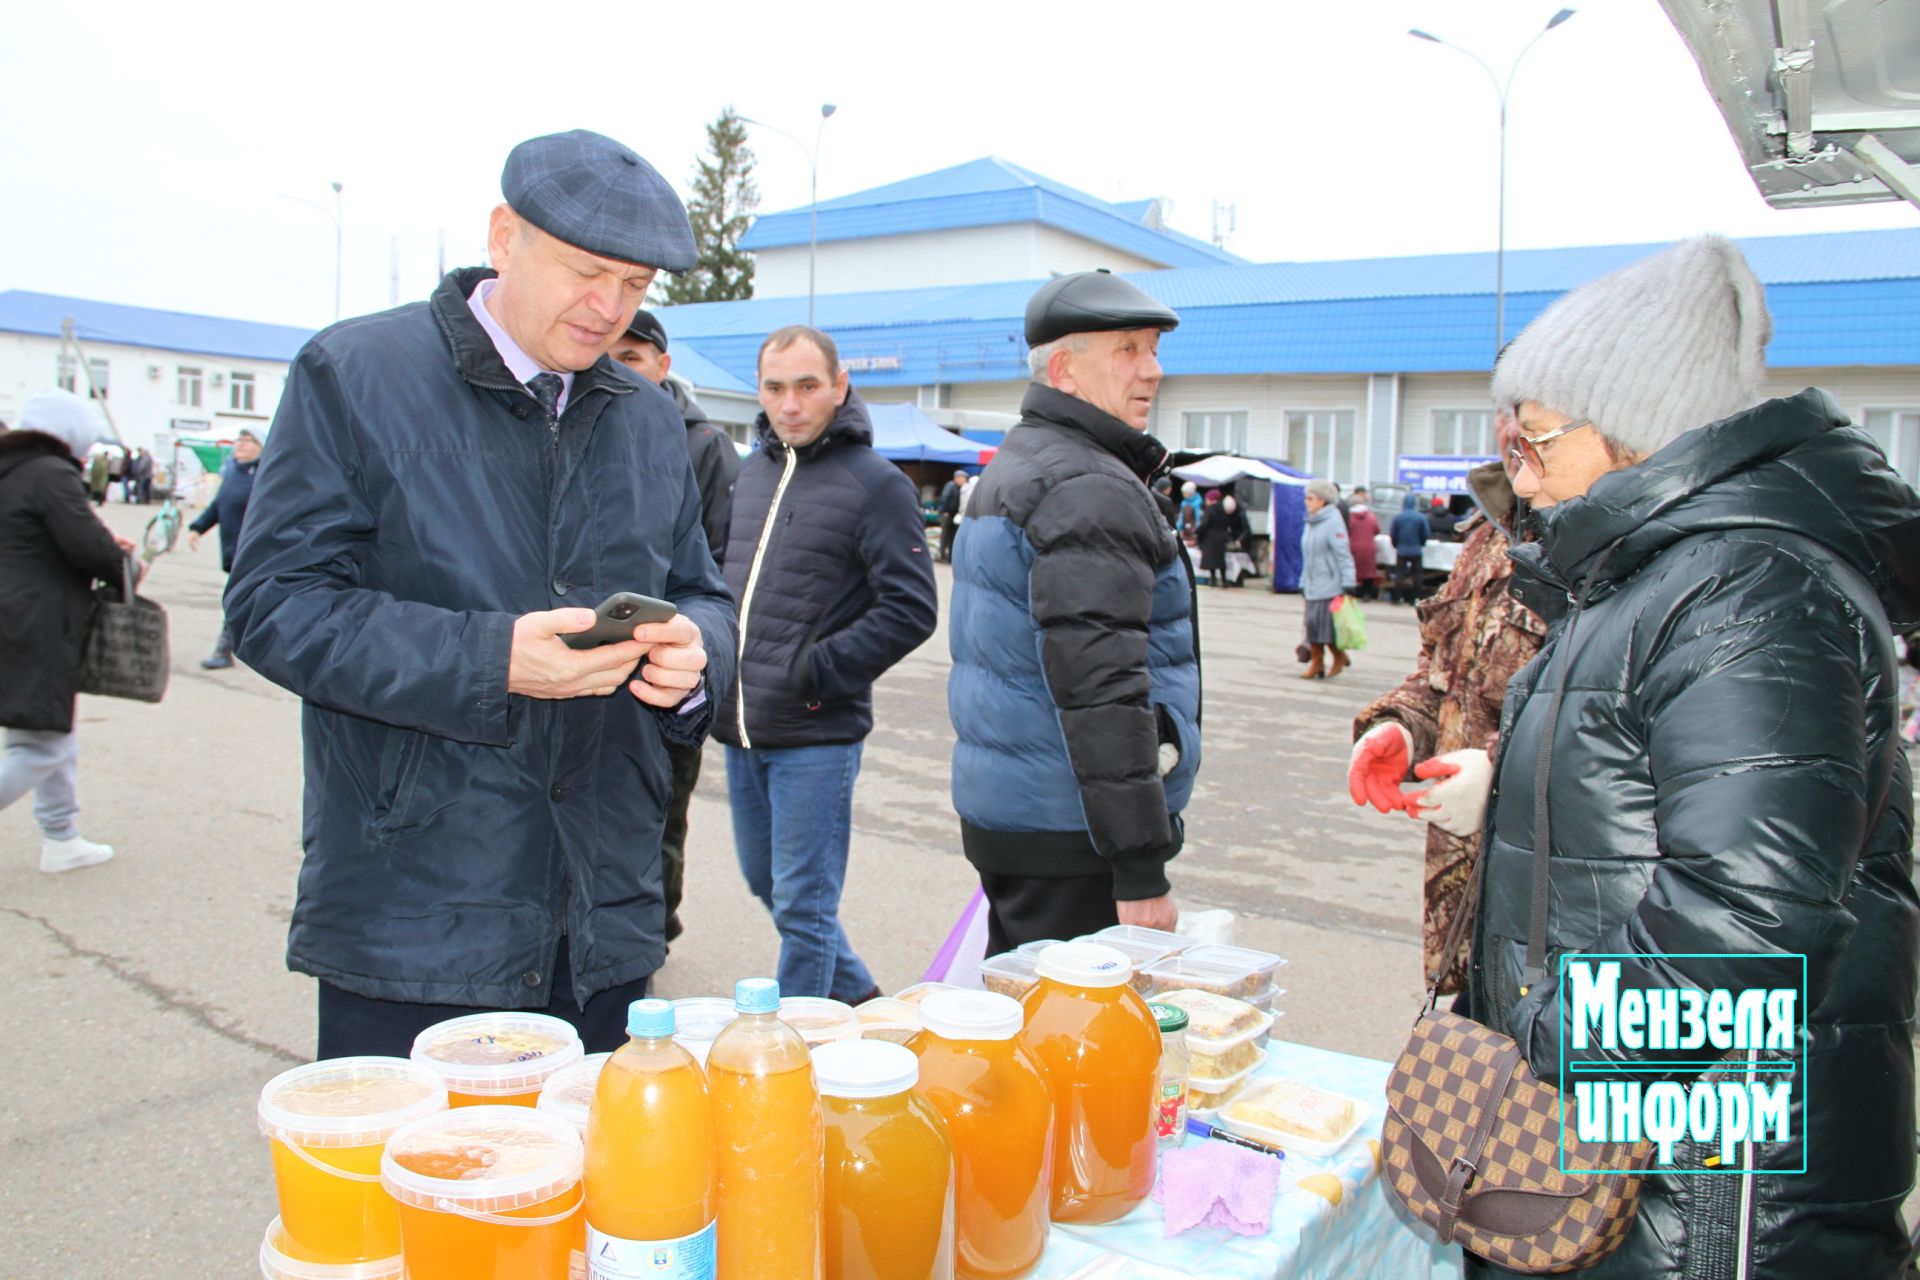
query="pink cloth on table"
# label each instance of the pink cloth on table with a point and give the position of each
(1217, 1185)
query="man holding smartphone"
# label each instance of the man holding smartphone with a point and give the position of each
(827, 558)
(451, 487)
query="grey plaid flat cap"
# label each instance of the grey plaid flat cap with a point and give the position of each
(595, 194)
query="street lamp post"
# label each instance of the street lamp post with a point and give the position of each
(339, 223)
(1502, 89)
(813, 198)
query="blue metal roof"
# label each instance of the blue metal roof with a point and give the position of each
(42, 313)
(984, 193)
(697, 369)
(1850, 298)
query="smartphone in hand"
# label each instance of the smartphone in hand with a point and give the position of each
(615, 618)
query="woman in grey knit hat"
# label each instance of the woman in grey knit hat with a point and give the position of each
(1706, 754)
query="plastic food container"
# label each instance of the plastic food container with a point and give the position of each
(921, 990)
(282, 1259)
(697, 1020)
(1038, 945)
(1225, 971)
(1217, 1023)
(1294, 1116)
(884, 1018)
(1139, 955)
(569, 1094)
(1168, 942)
(491, 1058)
(820, 1021)
(1207, 1096)
(1012, 973)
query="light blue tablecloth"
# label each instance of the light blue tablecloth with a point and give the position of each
(1311, 1238)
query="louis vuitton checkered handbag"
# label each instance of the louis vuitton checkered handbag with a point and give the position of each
(1475, 1146)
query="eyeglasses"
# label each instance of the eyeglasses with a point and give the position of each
(1531, 450)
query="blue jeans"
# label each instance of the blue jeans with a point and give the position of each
(792, 820)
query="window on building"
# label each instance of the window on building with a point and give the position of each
(1898, 434)
(1326, 443)
(66, 372)
(240, 392)
(1217, 431)
(1463, 432)
(187, 387)
(97, 377)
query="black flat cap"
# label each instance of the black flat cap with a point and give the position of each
(646, 327)
(595, 194)
(1090, 301)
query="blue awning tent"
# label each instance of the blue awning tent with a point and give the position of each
(902, 433)
(1287, 516)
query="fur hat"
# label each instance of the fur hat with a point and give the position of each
(1650, 352)
(66, 417)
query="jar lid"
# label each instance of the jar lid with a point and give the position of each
(1085, 964)
(492, 1159)
(281, 1259)
(972, 1015)
(489, 1054)
(865, 1069)
(1170, 1018)
(348, 1102)
(569, 1093)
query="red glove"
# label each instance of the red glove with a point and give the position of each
(1379, 765)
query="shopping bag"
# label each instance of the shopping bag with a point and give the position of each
(126, 653)
(959, 957)
(1349, 628)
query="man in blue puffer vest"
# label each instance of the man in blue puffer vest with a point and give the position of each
(1075, 691)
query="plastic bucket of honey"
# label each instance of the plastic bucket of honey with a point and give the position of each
(488, 1059)
(326, 1124)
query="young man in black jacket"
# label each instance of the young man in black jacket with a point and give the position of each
(716, 465)
(827, 560)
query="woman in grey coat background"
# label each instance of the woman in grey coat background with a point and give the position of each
(1326, 572)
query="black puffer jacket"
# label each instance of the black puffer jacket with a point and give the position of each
(1726, 742)
(827, 561)
(52, 547)
(716, 467)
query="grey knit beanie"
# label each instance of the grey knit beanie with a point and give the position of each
(1650, 352)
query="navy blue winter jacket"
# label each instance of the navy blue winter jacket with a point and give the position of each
(827, 560)
(229, 507)
(413, 501)
(1075, 656)
(1410, 529)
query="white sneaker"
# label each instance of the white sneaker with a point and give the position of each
(71, 854)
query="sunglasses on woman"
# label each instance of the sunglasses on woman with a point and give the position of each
(1531, 450)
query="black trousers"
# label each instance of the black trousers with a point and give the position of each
(1023, 909)
(949, 530)
(352, 1025)
(673, 839)
(1408, 579)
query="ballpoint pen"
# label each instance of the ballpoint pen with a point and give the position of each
(1205, 1130)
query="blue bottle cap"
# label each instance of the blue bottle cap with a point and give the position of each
(756, 995)
(650, 1019)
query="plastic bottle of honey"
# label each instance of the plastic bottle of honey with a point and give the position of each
(649, 1159)
(991, 1092)
(769, 1142)
(889, 1204)
(1101, 1051)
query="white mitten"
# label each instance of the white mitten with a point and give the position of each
(1458, 801)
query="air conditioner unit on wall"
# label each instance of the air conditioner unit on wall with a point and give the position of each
(219, 379)
(153, 372)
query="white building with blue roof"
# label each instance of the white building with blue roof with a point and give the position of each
(1344, 369)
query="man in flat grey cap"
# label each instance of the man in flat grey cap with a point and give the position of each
(450, 488)
(1075, 687)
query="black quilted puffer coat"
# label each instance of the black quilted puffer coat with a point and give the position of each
(1727, 781)
(827, 561)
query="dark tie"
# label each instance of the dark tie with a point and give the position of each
(546, 388)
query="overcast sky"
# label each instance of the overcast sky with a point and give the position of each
(147, 156)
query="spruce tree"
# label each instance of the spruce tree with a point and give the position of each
(723, 202)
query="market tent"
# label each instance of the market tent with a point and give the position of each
(904, 434)
(1285, 518)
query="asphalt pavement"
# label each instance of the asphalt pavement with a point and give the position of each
(150, 1000)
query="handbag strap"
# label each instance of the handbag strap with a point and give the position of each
(126, 577)
(1466, 1163)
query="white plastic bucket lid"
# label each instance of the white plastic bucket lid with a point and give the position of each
(972, 1015)
(1085, 964)
(569, 1092)
(278, 1265)
(865, 1069)
(819, 1020)
(491, 1054)
(348, 1102)
(483, 1160)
